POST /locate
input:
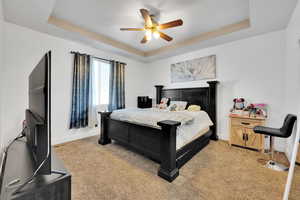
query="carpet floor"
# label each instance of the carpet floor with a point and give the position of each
(219, 171)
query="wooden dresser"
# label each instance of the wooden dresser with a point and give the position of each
(241, 132)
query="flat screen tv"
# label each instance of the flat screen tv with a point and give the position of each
(38, 115)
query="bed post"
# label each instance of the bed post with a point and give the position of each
(212, 99)
(158, 93)
(104, 139)
(168, 169)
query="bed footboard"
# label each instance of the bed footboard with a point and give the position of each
(157, 144)
(168, 169)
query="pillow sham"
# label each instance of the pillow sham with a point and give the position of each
(194, 108)
(178, 105)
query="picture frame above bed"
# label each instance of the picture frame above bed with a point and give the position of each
(194, 70)
(160, 144)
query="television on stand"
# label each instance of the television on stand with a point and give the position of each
(38, 115)
(38, 120)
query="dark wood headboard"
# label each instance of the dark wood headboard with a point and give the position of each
(206, 97)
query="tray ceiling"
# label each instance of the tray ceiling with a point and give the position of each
(107, 17)
(98, 23)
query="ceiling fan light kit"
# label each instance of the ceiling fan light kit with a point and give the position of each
(148, 34)
(152, 28)
(156, 34)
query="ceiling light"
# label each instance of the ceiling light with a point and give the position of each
(156, 34)
(148, 34)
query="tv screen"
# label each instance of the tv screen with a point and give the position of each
(38, 115)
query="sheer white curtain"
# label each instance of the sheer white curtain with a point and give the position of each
(100, 73)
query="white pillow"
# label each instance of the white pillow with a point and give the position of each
(180, 105)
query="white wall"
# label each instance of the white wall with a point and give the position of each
(24, 48)
(1, 68)
(252, 68)
(293, 70)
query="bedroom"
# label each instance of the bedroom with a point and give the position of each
(258, 61)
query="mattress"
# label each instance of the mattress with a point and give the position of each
(193, 124)
(182, 140)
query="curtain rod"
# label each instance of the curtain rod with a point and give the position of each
(73, 52)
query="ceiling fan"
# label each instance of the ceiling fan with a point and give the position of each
(153, 28)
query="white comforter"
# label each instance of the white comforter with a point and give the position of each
(151, 116)
(191, 122)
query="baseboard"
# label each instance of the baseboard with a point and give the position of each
(73, 137)
(223, 140)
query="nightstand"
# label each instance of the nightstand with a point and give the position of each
(241, 132)
(144, 102)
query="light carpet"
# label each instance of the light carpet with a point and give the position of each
(217, 172)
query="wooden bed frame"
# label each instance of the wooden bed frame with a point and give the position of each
(160, 145)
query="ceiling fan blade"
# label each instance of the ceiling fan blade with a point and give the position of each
(171, 24)
(146, 16)
(165, 37)
(144, 40)
(132, 29)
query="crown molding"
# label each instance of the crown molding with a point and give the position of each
(92, 35)
(202, 37)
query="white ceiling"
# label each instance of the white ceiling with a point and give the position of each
(106, 17)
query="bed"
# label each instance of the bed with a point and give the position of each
(161, 142)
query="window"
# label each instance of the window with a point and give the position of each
(100, 82)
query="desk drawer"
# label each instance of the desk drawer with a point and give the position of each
(246, 123)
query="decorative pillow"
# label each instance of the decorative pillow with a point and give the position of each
(163, 103)
(180, 105)
(194, 108)
(173, 107)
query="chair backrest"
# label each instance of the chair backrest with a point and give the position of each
(288, 124)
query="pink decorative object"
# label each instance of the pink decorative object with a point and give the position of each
(261, 109)
(260, 105)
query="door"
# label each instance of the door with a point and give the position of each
(237, 136)
(253, 140)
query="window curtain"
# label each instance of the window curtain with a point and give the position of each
(117, 86)
(80, 91)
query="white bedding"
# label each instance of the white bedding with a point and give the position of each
(192, 123)
(186, 133)
(150, 116)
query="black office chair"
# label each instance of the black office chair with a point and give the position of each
(284, 132)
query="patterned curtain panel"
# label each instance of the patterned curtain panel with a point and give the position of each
(117, 86)
(80, 91)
